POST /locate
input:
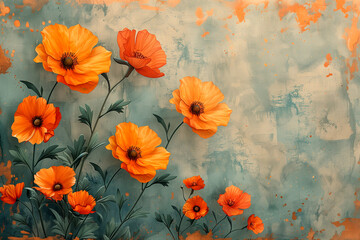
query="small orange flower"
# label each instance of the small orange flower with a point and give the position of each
(137, 148)
(70, 53)
(143, 53)
(54, 182)
(35, 120)
(199, 102)
(195, 208)
(255, 224)
(10, 193)
(82, 202)
(195, 183)
(234, 200)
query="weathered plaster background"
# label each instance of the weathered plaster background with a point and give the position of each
(288, 70)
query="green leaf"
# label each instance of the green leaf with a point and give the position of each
(93, 143)
(206, 228)
(86, 115)
(177, 210)
(120, 199)
(84, 184)
(88, 229)
(214, 216)
(162, 122)
(77, 150)
(20, 157)
(120, 61)
(32, 87)
(60, 223)
(50, 152)
(109, 198)
(124, 233)
(118, 107)
(158, 217)
(99, 170)
(137, 213)
(100, 192)
(163, 180)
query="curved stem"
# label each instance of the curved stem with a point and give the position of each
(33, 163)
(143, 188)
(81, 225)
(172, 235)
(182, 217)
(234, 231)
(186, 228)
(48, 99)
(96, 123)
(182, 189)
(107, 185)
(42, 223)
(32, 214)
(218, 223)
(167, 144)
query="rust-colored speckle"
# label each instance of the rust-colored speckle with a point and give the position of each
(17, 23)
(294, 217)
(352, 229)
(5, 63)
(4, 9)
(36, 5)
(6, 171)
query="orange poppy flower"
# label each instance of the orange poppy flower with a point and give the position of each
(54, 182)
(255, 224)
(143, 53)
(82, 202)
(234, 200)
(199, 102)
(70, 53)
(195, 208)
(10, 193)
(137, 148)
(35, 120)
(195, 183)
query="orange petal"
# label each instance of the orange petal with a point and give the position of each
(126, 39)
(144, 178)
(150, 72)
(112, 146)
(146, 43)
(83, 83)
(81, 41)
(158, 159)
(220, 115)
(204, 133)
(232, 211)
(42, 57)
(190, 89)
(126, 135)
(38, 136)
(137, 62)
(148, 140)
(56, 40)
(98, 61)
(158, 59)
(176, 99)
(56, 66)
(210, 95)
(134, 168)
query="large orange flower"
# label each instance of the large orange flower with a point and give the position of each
(200, 103)
(70, 53)
(137, 148)
(82, 202)
(143, 53)
(195, 183)
(255, 224)
(56, 181)
(35, 120)
(10, 193)
(234, 200)
(195, 208)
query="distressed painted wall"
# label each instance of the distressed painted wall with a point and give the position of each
(288, 70)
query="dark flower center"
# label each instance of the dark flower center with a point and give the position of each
(133, 153)
(37, 121)
(197, 108)
(68, 60)
(231, 202)
(139, 55)
(196, 209)
(194, 184)
(57, 187)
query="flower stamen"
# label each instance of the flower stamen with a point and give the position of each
(68, 60)
(133, 153)
(57, 187)
(197, 108)
(196, 209)
(139, 55)
(37, 121)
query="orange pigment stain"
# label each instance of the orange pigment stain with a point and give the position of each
(12, 53)
(265, 40)
(6, 171)
(201, 17)
(305, 13)
(283, 30)
(36, 5)
(4, 9)
(311, 234)
(172, 196)
(299, 210)
(352, 229)
(17, 23)
(127, 194)
(241, 7)
(198, 236)
(142, 3)
(329, 75)
(340, 6)
(27, 24)
(294, 217)
(37, 238)
(5, 62)
(204, 34)
(328, 60)
(302, 228)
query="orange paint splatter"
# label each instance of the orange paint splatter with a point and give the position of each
(142, 3)
(27, 24)
(305, 13)
(6, 171)
(5, 63)
(201, 17)
(340, 6)
(311, 234)
(329, 75)
(283, 30)
(328, 60)
(198, 236)
(4, 9)
(352, 229)
(36, 5)
(127, 194)
(302, 228)
(36, 238)
(17, 23)
(299, 210)
(204, 34)
(294, 217)
(172, 195)
(241, 7)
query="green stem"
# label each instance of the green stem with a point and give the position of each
(106, 186)
(218, 223)
(187, 228)
(48, 99)
(231, 231)
(143, 188)
(182, 217)
(42, 223)
(33, 163)
(32, 214)
(81, 225)
(96, 123)
(167, 144)
(172, 235)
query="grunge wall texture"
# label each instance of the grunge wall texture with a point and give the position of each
(288, 70)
